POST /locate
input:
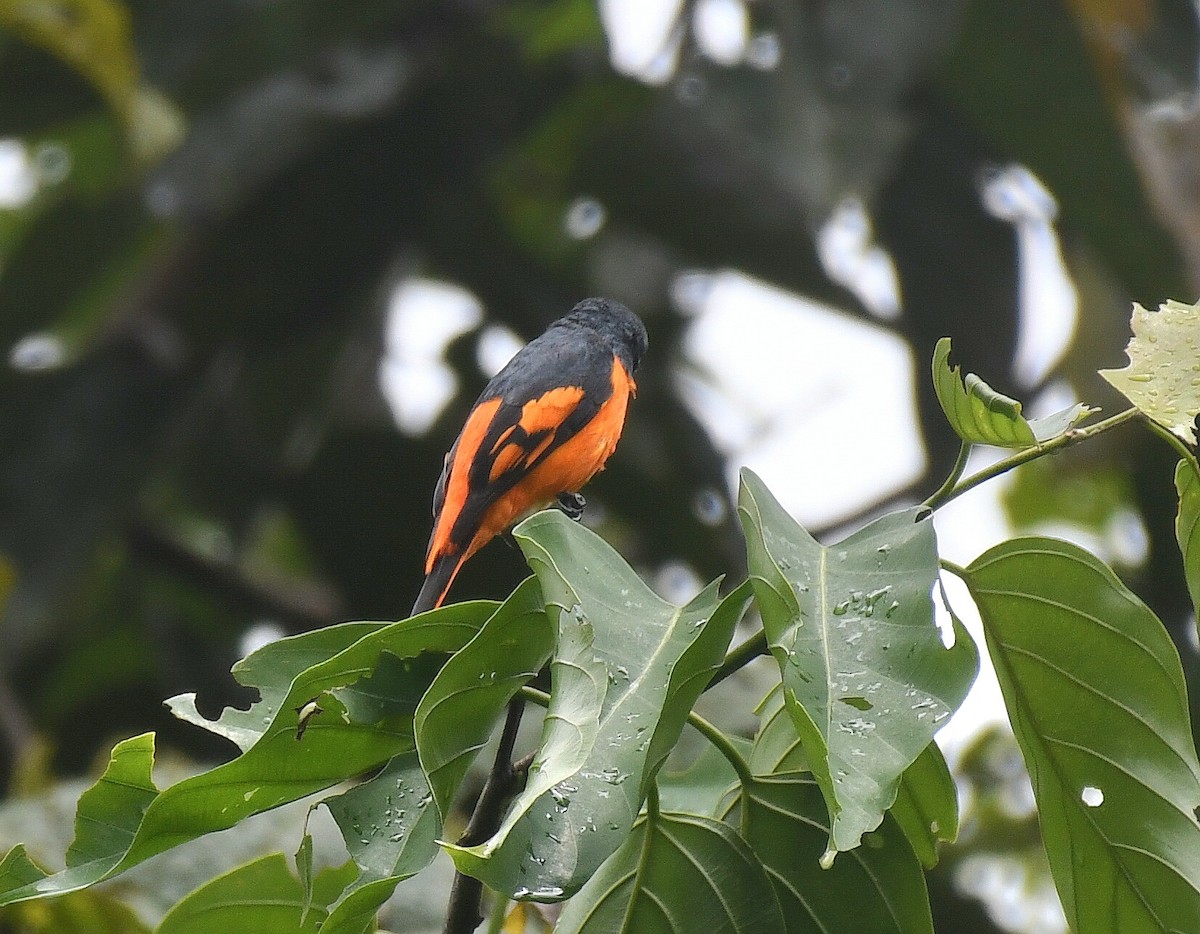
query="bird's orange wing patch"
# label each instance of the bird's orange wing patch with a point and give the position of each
(540, 420)
(550, 409)
(458, 486)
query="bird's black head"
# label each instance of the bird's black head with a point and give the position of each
(614, 321)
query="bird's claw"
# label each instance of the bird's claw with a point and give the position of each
(572, 505)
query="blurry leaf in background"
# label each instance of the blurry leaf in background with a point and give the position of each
(93, 37)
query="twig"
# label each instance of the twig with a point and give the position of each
(463, 914)
(1073, 436)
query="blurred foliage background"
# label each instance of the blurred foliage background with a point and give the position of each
(222, 196)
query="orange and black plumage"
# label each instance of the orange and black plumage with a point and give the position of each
(541, 428)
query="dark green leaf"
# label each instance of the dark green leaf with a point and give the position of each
(926, 807)
(704, 786)
(676, 873)
(627, 669)
(866, 678)
(1095, 693)
(878, 887)
(456, 715)
(262, 896)
(1187, 526)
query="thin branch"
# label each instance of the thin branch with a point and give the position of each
(463, 914)
(723, 746)
(956, 472)
(1073, 436)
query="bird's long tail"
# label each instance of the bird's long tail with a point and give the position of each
(437, 582)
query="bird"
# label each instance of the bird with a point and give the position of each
(541, 429)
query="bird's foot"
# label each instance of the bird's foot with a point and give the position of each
(572, 505)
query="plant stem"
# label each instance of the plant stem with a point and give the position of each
(740, 657)
(496, 918)
(1066, 439)
(956, 472)
(463, 914)
(723, 745)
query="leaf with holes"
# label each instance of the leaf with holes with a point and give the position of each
(980, 415)
(677, 873)
(627, 669)
(866, 678)
(1095, 693)
(356, 708)
(1164, 357)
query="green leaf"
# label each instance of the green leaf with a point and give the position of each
(1164, 357)
(926, 807)
(705, 785)
(777, 747)
(262, 896)
(676, 873)
(1095, 693)
(1187, 525)
(391, 833)
(270, 671)
(457, 713)
(980, 415)
(866, 678)
(627, 669)
(279, 767)
(878, 887)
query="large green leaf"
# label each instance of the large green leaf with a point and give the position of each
(263, 897)
(391, 831)
(980, 415)
(356, 709)
(1164, 357)
(627, 669)
(866, 678)
(1187, 525)
(456, 715)
(878, 887)
(1095, 693)
(676, 874)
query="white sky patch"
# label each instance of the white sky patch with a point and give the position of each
(643, 38)
(851, 258)
(497, 345)
(1049, 304)
(967, 527)
(18, 174)
(821, 405)
(722, 29)
(423, 317)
